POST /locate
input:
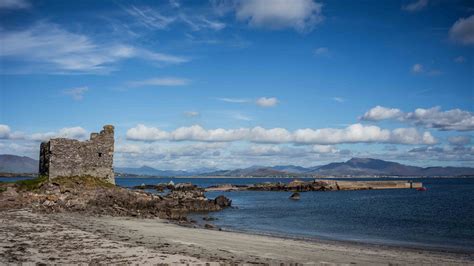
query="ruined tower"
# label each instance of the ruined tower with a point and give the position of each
(68, 157)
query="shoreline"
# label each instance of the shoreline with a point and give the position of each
(381, 243)
(72, 238)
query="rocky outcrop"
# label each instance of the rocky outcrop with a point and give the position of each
(319, 185)
(96, 197)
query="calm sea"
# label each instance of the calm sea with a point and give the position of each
(441, 217)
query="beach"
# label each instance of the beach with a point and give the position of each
(29, 237)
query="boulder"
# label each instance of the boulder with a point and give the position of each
(209, 226)
(223, 201)
(295, 196)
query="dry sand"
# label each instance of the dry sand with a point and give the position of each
(27, 237)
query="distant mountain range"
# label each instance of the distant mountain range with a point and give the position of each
(353, 167)
(18, 164)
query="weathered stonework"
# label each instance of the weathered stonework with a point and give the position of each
(67, 157)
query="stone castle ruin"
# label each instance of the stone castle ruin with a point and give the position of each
(63, 157)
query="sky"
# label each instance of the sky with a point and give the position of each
(227, 84)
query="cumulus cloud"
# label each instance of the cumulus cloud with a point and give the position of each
(380, 113)
(459, 140)
(267, 102)
(454, 119)
(144, 133)
(54, 48)
(463, 31)
(324, 149)
(453, 153)
(163, 81)
(67, 132)
(301, 15)
(4, 131)
(356, 133)
(415, 6)
(76, 93)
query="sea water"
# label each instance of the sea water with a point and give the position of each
(441, 217)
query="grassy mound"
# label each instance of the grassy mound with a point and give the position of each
(85, 182)
(31, 184)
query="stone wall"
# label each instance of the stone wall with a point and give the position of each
(67, 157)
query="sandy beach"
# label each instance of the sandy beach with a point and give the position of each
(29, 237)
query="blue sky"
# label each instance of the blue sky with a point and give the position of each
(192, 84)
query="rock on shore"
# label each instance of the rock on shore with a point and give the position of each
(90, 196)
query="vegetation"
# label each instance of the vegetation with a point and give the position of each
(31, 184)
(64, 182)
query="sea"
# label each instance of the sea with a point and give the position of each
(440, 218)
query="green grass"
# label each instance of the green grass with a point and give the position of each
(31, 184)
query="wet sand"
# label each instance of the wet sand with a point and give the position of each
(72, 238)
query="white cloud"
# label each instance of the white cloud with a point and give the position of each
(240, 116)
(234, 100)
(339, 99)
(144, 133)
(149, 17)
(14, 4)
(4, 131)
(67, 132)
(415, 6)
(301, 15)
(164, 81)
(267, 102)
(76, 93)
(454, 119)
(459, 140)
(324, 149)
(463, 31)
(72, 133)
(199, 23)
(152, 19)
(191, 114)
(321, 51)
(380, 113)
(54, 48)
(460, 59)
(417, 68)
(356, 133)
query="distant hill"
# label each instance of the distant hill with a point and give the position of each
(353, 167)
(147, 170)
(17, 164)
